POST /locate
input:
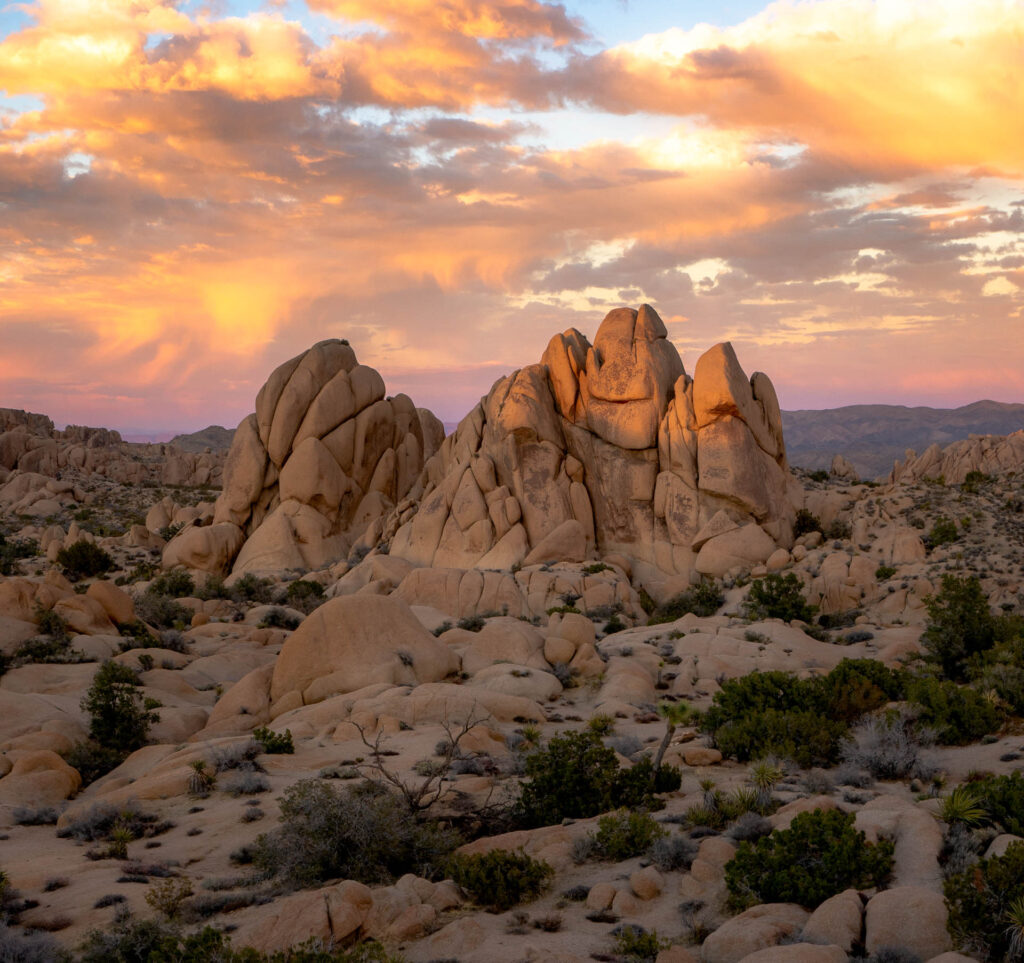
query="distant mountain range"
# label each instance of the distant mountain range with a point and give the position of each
(874, 436)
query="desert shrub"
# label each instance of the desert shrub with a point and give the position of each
(778, 597)
(960, 625)
(702, 600)
(13, 549)
(237, 755)
(212, 588)
(837, 530)
(669, 853)
(633, 944)
(820, 855)
(100, 823)
(890, 746)
(777, 714)
(805, 736)
(500, 879)
(575, 776)
(805, 523)
(161, 611)
(279, 618)
(83, 559)
(957, 714)
(362, 833)
(943, 532)
(175, 584)
(1003, 799)
(624, 834)
(131, 940)
(1001, 670)
(274, 743)
(17, 946)
(168, 896)
(93, 760)
(119, 717)
(243, 783)
(252, 588)
(884, 572)
(985, 906)
(749, 826)
(305, 595)
(35, 816)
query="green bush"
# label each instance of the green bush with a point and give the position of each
(175, 584)
(119, 717)
(213, 588)
(93, 760)
(82, 559)
(884, 572)
(805, 523)
(162, 611)
(362, 832)
(960, 625)
(778, 597)
(943, 532)
(500, 879)
(702, 600)
(958, 714)
(131, 940)
(1001, 669)
(624, 834)
(13, 549)
(820, 855)
(634, 945)
(305, 595)
(576, 776)
(985, 904)
(274, 743)
(252, 588)
(805, 736)
(1003, 798)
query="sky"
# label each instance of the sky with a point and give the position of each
(193, 192)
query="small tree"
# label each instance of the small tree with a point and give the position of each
(119, 717)
(985, 905)
(960, 625)
(83, 559)
(778, 597)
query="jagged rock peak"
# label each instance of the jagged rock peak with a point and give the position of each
(609, 448)
(321, 461)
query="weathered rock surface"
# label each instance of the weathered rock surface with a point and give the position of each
(988, 454)
(609, 448)
(318, 465)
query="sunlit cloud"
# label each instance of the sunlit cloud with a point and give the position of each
(188, 198)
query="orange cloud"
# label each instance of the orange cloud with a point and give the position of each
(900, 82)
(196, 200)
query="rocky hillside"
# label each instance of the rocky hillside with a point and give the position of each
(326, 707)
(213, 437)
(872, 437)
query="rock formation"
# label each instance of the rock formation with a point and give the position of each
(29, 442)
(609, 448)
(319, 464)
(988, 454)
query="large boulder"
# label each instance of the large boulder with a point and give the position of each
(352, 642)
(606, 449)
(315, 469)
(910, 918)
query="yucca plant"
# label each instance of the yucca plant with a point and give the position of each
(1015, 930)
(201, 780)
(765, 776)
(963, 805)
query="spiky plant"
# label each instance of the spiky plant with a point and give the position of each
(765, 776)
(963, 805)
(1014, 917)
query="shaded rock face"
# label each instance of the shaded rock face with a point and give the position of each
(318, 465)
(608, 448)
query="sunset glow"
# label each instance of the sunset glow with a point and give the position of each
(192, 192)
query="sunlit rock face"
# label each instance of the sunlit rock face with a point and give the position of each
(609, 448)
(324, 458)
